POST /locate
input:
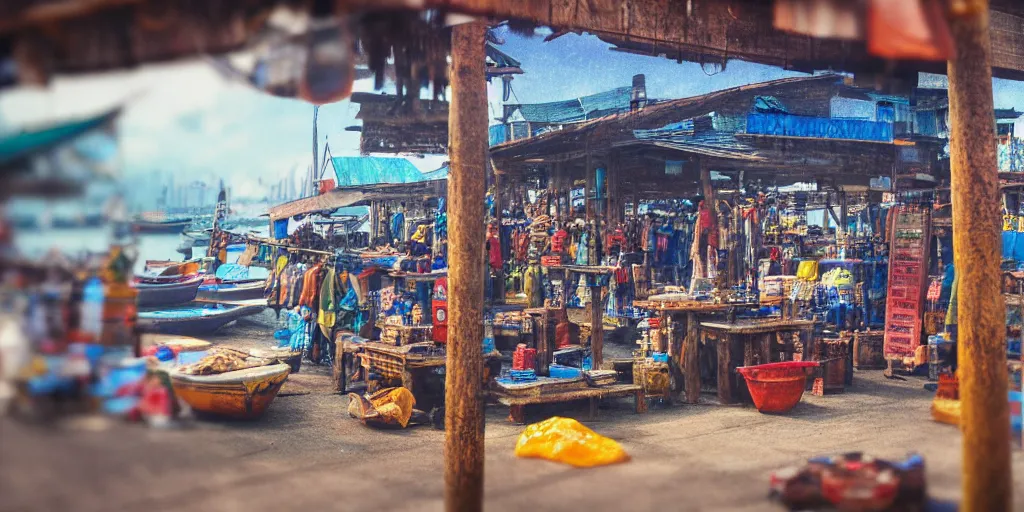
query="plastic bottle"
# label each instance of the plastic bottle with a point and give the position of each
(92, 309)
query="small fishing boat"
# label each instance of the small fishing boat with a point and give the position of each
(162, 226)
(231, 291)
(196, 320)
(167, 291)
(242, 394)
(196, 237)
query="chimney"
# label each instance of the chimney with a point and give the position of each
(638, 97)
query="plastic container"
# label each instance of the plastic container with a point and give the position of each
(777, 387)
(92, 308)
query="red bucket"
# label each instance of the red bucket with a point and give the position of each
(777, 387)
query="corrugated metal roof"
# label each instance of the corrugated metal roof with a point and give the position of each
(500, 58)
(579, 109)
(437, 174)
(367, 170)
(681, 136)
(322, 203)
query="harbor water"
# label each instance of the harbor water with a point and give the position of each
(36, 243)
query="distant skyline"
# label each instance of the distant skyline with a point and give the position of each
(185, 119)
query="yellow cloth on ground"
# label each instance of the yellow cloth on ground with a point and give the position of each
(391, 406)
(567, 440)
(394, 405)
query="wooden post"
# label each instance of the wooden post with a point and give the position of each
(499, 204)
(981, 315)
(844, 211)
(691, 366)
(596, 328)
(709, 202)
(464, 364)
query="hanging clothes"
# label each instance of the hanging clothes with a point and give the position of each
(310, 286)
(494, 252)
(532, 286)
(583, 249)
(328, 304)
(558, 241)
(298, 325)
(398, 226)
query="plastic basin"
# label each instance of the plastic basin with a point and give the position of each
(777, 387)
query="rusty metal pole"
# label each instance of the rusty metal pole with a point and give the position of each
(467, 149)
(981, 313)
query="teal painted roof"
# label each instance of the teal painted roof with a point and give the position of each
(579, 109)
(368, 170)
(437, 174)
(29, 142)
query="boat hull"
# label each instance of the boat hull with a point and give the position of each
(242, 394)
(231, 292)
(176, 226)
(168, 294)
(153, 322)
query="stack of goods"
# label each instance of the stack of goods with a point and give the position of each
(523, 375)
(653, 376)
(524, 358)
(598, 378)
(402, 335)
(806, 282)
(510, 320)
(557, 371)
(570, 356)
(223, 360)
(777, 286)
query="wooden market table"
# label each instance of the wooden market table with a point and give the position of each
(683, 350)
(410, 363)
(517, 404)
(693, 315)
(753, 339)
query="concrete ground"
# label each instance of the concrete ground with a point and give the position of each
(307, 452)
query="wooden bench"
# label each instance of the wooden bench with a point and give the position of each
(517, 404)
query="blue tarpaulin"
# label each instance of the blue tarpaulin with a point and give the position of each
(818, 127)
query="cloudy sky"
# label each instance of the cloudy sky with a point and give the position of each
(185, 119)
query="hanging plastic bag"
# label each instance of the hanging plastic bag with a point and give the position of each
(568, 441)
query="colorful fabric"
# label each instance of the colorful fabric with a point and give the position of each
(299, 327)
(327, 316)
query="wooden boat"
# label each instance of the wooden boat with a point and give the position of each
(161, 226)
(196, 320)
(242, 394)
(231, 291)
(167, 291)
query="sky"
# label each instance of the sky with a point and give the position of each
(185, 119)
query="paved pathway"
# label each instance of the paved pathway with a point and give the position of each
(308, 453)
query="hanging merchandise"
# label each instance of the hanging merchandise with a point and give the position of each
(328, 306)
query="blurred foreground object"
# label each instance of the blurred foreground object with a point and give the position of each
(45, 38)
(852, 482)
(893, 29)
(57, 160)
(568, 441)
